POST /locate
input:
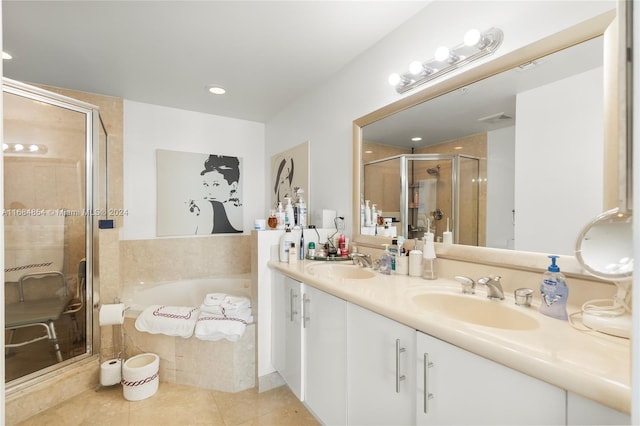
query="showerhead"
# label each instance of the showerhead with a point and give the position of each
(435, 171)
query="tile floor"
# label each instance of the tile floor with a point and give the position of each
(178, 405)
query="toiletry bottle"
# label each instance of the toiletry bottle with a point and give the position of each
(367, 213)
(289, 220)
(285, 243)
(300, 210)
(554, 292)
(293, 253)
(447, 236)
(415, 260)
(312, 250)
(374, 215)
(393, 250)
(273, 220)
(362, 216)
(280, 216)
(429, 257)
(385, 261)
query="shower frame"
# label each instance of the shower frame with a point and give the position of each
(93, 126)
(405, 184)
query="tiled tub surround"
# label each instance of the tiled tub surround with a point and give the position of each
(590, 364)
(217, 365)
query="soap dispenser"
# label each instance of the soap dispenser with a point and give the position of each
(385, 261)
(280, 216)
(289, 219)
(285, 244)
(554, 292)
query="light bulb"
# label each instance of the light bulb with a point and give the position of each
(33, 148)
(416, 67)
(472, 37)
(5, 147)
(18, 147)
(441, 54)
(394, 79)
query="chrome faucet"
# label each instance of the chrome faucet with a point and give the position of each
(361, 259)
(494, 288)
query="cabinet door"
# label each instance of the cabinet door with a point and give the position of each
(325, 356)
(286, 349)
(583, 411)
(458, 387)
(380, 370)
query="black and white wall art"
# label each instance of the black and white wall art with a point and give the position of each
(198, 194)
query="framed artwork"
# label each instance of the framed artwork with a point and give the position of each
(198, 194)
(290, 169)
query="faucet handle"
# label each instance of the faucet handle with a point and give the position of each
(468, 285)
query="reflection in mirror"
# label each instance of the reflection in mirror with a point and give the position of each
(537, 131)
(46, 195)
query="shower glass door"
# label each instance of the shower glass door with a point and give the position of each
(48, 145)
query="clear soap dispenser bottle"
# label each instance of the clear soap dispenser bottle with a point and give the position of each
(554, 292)
(428, 256)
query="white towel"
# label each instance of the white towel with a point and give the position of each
(170, 320)
(236, 303)
(217, 327)
(214, 299)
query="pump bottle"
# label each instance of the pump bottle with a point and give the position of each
(285, 244)
(429, 256)
(554, 292)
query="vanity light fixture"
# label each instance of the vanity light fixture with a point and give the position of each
(6, 55)
(476, 44)
(18, 148)
(416, 139)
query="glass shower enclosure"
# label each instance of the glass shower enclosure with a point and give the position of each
(51, 197)
(420, 190)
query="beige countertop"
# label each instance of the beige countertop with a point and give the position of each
(587, 363)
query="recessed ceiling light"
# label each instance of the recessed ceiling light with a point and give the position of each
(216, 90)
(416, 139)
(6, 55)
(368, 152)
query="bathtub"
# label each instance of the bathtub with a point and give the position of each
(221, 365)
(191, 292)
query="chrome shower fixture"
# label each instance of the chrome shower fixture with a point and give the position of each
(435, 171)
(475, 46)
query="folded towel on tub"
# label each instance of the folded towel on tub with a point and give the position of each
(230, 305)
(220, 326)
(170, 320)
(214, 299)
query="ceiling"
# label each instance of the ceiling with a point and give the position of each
(264, 53)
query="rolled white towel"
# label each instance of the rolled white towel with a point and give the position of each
(214, 299)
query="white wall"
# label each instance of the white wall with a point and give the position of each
(325, 116)
(559, 162)
(501, 146)
(151, 127)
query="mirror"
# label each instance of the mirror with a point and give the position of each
(605, 246)
(535, 119)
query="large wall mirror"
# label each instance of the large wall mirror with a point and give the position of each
(511, 151)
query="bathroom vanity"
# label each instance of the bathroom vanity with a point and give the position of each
(359, 348)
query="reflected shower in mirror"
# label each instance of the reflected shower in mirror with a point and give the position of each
(46, 195)
(537, 131)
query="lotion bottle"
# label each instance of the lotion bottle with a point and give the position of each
(280, 216)
(367, 213)
(429, 256)
(285, 244)
(554, 292)
(289, 219)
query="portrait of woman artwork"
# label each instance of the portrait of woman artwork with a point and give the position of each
(198, 194)
(290, 169)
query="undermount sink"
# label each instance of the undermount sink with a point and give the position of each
(349, 272)
(477, 310)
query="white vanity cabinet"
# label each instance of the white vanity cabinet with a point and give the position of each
(583, 411)
(286, 333)
(325, 366)
(380, 370)
(459, 387)
(309, 346)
